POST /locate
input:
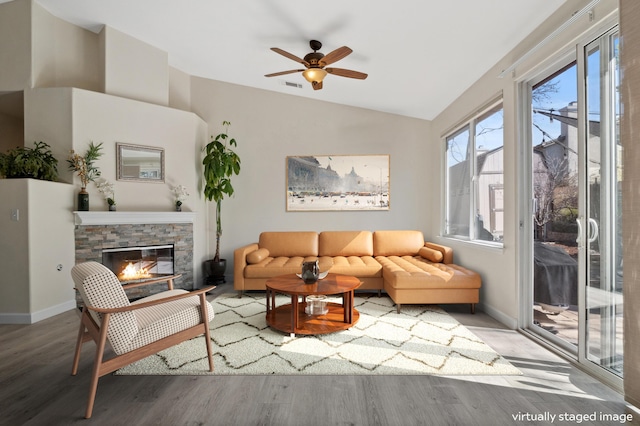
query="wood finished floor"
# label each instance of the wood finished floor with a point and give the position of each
(36, 388)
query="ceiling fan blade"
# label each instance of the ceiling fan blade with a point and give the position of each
(290, 56)
(336, 55)
(317, 85)
(346, 73)
(282, 73)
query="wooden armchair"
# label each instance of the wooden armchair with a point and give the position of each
(137, 329)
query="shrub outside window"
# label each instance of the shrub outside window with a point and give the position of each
(475, 178)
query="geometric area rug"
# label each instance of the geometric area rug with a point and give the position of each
(422, 339)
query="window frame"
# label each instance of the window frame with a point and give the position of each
(469, 125)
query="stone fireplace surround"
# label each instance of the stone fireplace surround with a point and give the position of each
(95, 231)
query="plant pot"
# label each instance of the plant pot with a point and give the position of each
(83, 201)
(214, 271)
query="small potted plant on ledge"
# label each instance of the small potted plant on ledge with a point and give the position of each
(87, 172)
(23, 162)
(220, 164)
(179, 195)
(106, 189)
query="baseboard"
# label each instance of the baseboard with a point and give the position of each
(499, 316)
(34, 317)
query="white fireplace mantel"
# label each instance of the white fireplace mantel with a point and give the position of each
(127, 218)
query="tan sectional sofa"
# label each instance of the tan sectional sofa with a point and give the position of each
(401, 263)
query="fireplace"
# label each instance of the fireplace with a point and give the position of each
(98, 231)
(139, 263)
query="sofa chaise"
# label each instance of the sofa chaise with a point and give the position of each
(401, 263)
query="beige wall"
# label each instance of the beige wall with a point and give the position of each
(47, 118)
(499, 268)
(270, 126)
(32, 247)
(64, 55)
(179, 89)
(51, 247)
(14, 246)
(56, 53)
(12, 131)
(134, 69)
(15, 45)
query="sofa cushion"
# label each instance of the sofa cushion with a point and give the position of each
(359, 266)
(288, 244)
(345, 243)
(414, 272)
(274, 266)
(430, 254)
(257, 256)
(397, 243)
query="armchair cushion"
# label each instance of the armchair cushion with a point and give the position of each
(160, 321)
(100, 288)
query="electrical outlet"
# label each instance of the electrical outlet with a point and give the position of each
(15, 215)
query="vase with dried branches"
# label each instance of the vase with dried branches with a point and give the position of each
(84, 166)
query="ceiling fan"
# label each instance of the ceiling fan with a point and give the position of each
(315, 63)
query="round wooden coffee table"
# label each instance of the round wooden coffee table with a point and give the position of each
(292, 318)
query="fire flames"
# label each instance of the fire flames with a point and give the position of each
(131, 272)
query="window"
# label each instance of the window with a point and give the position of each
(474, 189)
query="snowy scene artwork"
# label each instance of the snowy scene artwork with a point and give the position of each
(338, 182)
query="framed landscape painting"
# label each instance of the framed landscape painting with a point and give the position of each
(338, 182)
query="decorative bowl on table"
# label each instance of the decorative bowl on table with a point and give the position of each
(321, 275)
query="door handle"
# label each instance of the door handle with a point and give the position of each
(593, 230)
(579, 237)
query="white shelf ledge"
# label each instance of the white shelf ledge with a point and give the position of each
(128, 218)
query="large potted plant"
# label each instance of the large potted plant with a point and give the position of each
(220, 164)
(24, 162)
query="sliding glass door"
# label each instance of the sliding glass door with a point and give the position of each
(555, 189)
(601, 239)
(575, 286)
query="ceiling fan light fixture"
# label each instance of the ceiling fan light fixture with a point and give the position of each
(314, 74)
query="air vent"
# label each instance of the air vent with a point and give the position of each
(291, 84)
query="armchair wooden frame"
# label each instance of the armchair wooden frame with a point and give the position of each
(90, 330)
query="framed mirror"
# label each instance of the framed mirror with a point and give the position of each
(139, 163)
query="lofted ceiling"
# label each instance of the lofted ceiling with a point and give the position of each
(420, 54)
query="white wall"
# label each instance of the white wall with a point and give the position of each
(270, 126)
